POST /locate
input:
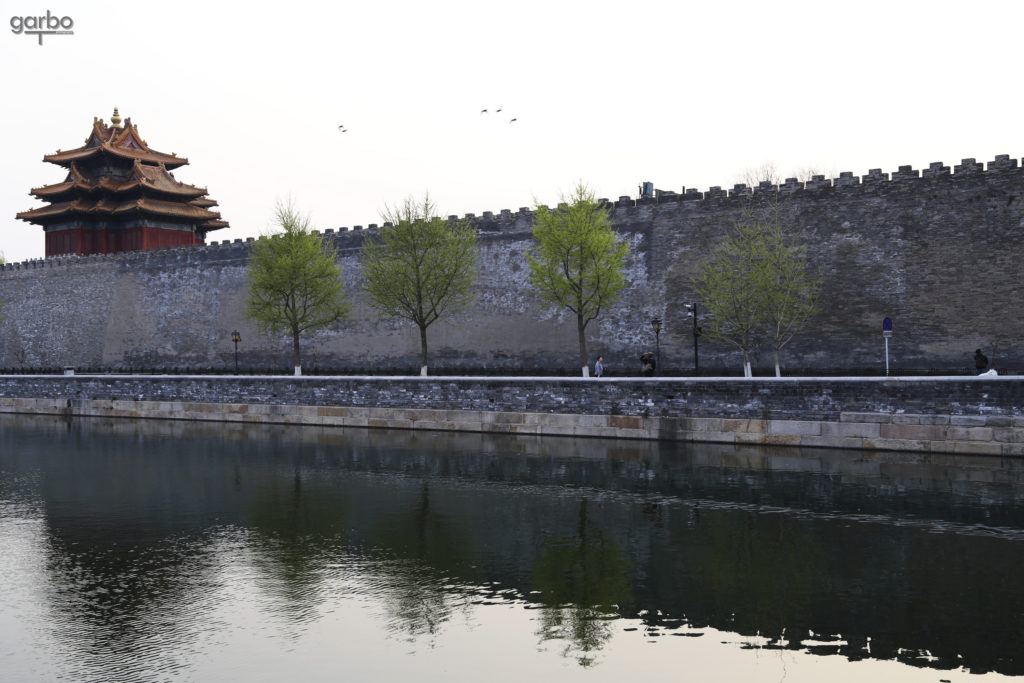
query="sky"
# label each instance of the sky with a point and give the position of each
(681, 94)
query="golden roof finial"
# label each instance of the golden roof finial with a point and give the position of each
(116, 119)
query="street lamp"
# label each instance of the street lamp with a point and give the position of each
(656, 324)
(235, 337)
(696, 334)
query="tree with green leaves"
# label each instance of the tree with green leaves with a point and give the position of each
(294, 281)
(756, 284)
(793, 291)
(729, 285)
(420, 267)
(577, 260)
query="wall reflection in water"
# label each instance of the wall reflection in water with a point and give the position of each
(148, 550)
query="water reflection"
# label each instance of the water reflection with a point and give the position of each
(582, 580)
(159, 550)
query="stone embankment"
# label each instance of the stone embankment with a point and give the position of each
(959, 415)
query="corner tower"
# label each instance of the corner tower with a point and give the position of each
(119, 195)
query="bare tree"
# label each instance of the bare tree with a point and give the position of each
(805, 173)
(753, 176)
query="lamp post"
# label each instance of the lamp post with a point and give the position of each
(696, 334)
(235, 337)
(656, 324)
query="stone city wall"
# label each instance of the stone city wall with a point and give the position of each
(970, 416)
(938, 251)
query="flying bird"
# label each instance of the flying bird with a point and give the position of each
(498, 111)
(343, 129)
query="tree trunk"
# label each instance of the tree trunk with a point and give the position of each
(581, 328)
(296, 357)
(746, 364)
(423, 351)
(778, 370)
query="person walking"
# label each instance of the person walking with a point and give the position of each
(980, 362)
(599, 367)
(647, 363)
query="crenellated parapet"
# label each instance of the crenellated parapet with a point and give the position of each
(509, 222)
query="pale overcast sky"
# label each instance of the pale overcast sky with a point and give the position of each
(611, 93)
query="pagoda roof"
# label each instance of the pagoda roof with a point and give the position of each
(110, 207)
(123, 142)
(114, 175)
(145, 176)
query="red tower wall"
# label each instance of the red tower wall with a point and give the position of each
(82, 241)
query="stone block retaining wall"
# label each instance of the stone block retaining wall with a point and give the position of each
(983, 416)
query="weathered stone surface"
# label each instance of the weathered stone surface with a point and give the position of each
(796, 427)
(748, 426)
(1009, 434)
(975, 447)
(968, 420)
(865, 417)
(912, 432)
(832, 441)
(574, 407)
(920, 249)
(771, 439)
(623, 422)
(969, 434)
(841, 430)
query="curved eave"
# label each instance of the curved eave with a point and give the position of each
(70, 190)
(66, 158)
(64, 210)
(170, 209)
(52, 191)
(157, 178)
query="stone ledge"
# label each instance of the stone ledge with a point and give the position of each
(865, 417)
(953, 434)
(794, 427)
(912, 432)
(832, 441)
(969, 434)
(968, 420)
(1008, 435)
(748, 426)
(851, 429)
(769, 439)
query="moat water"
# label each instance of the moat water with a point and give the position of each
(162, 551)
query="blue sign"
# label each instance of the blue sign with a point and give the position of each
(887, 325)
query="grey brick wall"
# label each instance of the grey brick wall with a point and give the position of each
(939, 251)
(765, 399)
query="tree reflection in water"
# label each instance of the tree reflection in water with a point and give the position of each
(417, 600)
(157, 536)
(583, 583)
